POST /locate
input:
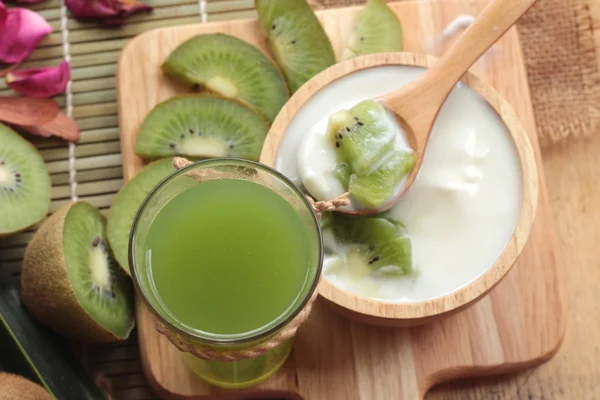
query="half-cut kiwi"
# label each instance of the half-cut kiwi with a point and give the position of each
(70, 280)
(24, 183)
(377, 30)
(201, 126)
(232, 68)
(296, 38)
(125, 206)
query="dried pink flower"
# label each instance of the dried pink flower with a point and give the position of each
(110, 11)
(20, 32)
(40, 82)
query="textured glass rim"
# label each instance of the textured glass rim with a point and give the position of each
(231, 339)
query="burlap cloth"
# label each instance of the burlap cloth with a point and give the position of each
(562, 65)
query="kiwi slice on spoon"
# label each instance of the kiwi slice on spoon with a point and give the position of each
(232, 68)
(361, 135)
(24, 183)
(377, 30)
(125, 206)
(201, 126)
(296, 38)
(373, 244)
(70, 281)
(369, 165)
(373, 189)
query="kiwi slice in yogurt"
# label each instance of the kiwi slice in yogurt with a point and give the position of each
(372, 244)
(377, 30)
(232, 68)
(296, 38)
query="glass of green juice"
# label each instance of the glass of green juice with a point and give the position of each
(225, 253)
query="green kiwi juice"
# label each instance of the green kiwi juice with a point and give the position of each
(228, 256)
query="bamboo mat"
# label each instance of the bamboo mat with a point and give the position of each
(91, 168)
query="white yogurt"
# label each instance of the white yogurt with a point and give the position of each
(461, 210)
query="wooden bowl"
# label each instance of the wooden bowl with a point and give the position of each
(407, 314)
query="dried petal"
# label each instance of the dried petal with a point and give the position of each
(20, 32)
(62, 126)
(110, 11)
(40, 82)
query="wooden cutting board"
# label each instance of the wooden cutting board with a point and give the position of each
(518, 325)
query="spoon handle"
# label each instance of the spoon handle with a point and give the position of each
(495, 19)
(432, 88)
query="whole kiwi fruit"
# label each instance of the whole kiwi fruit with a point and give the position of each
(15, 387)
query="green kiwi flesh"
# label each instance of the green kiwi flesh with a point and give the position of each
(24, 183)
(201, 126)
(128, 200)
(232, 68)
(70, 280)
(361, 135)
(373, 189)
(367, 163)
(296, 38)
(373, 243)
(377, 30)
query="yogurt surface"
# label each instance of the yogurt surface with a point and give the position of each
(463, 206)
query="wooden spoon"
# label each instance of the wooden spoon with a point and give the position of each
(417, 104)
(27, 111)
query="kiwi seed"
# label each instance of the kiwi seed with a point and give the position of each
(70, 281)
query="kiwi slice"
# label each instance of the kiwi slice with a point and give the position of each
(377, 30)
(24, 183)
(373, 243)
(201, 126)
(126, 204)
(296, 38)
(361, 135)
(374, 188)
(232, 68)
(15, 387)
(70, 281)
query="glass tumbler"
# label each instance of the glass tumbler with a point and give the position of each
(227, 374)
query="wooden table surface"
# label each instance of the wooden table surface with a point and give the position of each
(573, 180)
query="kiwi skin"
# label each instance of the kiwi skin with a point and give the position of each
(15, 387)
(46, 290)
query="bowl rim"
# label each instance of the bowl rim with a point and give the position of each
(478, 286)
